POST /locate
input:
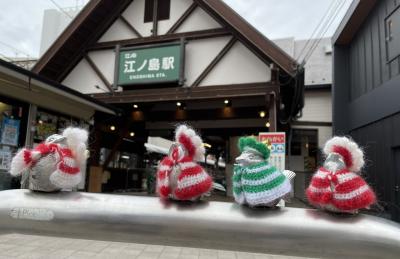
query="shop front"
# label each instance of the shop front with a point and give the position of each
(33, 108)
(194, 62)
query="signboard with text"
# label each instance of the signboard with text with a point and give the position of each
(277, 144)
(150, 64)
(10, 132)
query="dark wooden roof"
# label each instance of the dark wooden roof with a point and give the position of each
(83, 98)
(354, 18)
(98, 15)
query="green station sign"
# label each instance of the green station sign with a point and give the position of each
(150, 64)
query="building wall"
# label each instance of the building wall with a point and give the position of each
(242, 65)
(324, 133)
(369, 64)
(380, 142)
(317, 106)
(363, 74)
(318, 68)
(366, 103)
(54, 22)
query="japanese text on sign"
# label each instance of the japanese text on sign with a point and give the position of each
(147, 65)
(277, 145)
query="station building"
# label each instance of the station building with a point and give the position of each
(167, 62)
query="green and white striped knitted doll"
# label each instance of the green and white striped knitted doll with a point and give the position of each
(255, 182)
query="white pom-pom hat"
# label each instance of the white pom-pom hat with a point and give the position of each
(191, 141)
(351, 153)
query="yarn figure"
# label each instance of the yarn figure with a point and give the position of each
(255, 181)
(337, 185)
(55, 164)
(179, 177)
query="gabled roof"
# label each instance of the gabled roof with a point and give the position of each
(98, 15)
(352, 21)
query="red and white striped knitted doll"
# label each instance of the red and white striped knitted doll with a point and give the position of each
(337, 186)
(54, 164)
(179, 176)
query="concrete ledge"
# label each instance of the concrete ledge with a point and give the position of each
(214, 225)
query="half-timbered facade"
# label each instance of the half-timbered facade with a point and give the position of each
(225, 78)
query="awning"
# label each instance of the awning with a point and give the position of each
(24, 85)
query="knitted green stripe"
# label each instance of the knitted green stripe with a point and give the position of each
(257, 165)
(259, 175)
(236, 178)
(237, 190)
(264, 187)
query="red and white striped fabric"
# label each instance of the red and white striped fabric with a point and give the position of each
(342, 191)
(178, 175)
(192, 180)
(67, 174)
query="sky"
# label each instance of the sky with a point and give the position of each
(21, 20)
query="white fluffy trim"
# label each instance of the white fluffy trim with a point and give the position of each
(76, 140)
(63, 180)
(357, 156)
(194, 138)
(18, 164)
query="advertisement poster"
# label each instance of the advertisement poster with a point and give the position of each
(5, 159)
(276, 141)
(10, 132)
(46, 125)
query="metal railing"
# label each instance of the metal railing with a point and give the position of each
(216, 225)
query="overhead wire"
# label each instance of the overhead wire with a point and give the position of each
(315, 30)
(5, 58)
(15, 49)
(318, 32)
(318, 40)
(321, 29)
(61, 9)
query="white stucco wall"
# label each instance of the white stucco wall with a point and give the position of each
(104, 60)
(178, 7)
(83, 79)
(200, 53)
(197, 21)
(317, 107)
(238, 66)
(134, 14)
(117, 31)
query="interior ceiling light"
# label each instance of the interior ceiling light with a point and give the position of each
(267, 124)
(207, 145)
(262, 114)
(179, 104)
(132, 134)
(112, 127)
(226, 101)
(135, 106)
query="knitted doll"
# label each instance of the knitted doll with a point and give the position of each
(255, 182)
(54, 164)
(179, 177)
(337, 186)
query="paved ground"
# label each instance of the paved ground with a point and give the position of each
(32, 246)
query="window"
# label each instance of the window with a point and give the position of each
(393, 35)
(163, 10)
(304, 150)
